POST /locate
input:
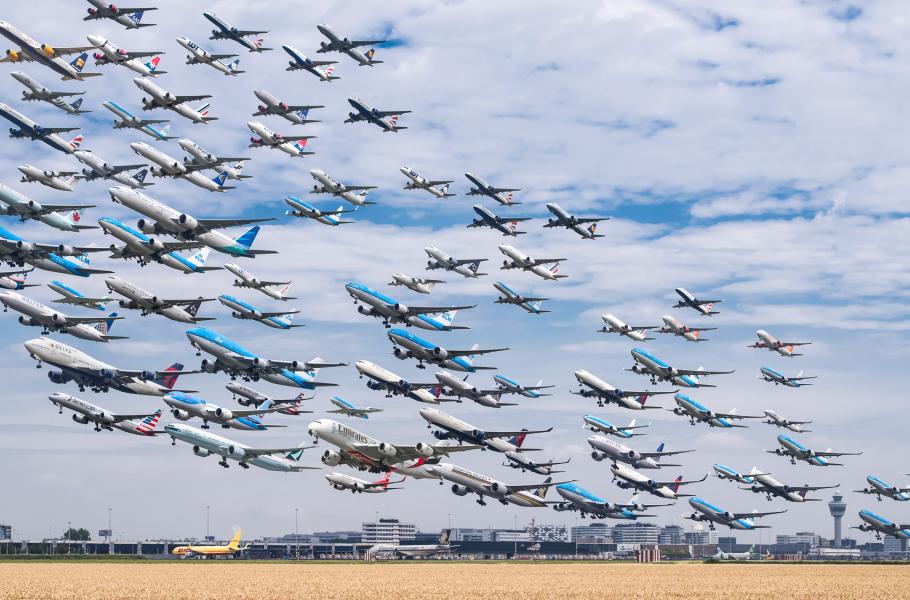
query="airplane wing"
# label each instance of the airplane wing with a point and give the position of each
(585, 220)
(455, 353)
(121, 10)
(271, 283)
(144, 122)
(122, 373)
(82, 300)
(802, 378)
(733, 415)
(222, 56)
(249, 32)
(390, 113)
(332, 213)
(180, 302)
(815, 488)
(356, 43)
(837, 453)
(296, 107)
(672, 483)
(403, 453)
(439, 181)
(544, 261)
(359, 187)
(700, 372)
(627, 394)
(52, 130)
(755, 515)
(659, 454)
(223, 223)
(256, 411)
(98, 319)
(351, 118)
(279, 313)
(470, 261)
(173, 246)
(56, 247)
(254, 452)
(430, 310)
(795, 343)
(534, 486)
(291, 138)
(496, 434)
(119, 418)
(182, 99)
(121, 168)
(23, 57)
(19, 272)
(53, 208)
(702, 328)
(497, 190)
(131, 55)
(68, 51)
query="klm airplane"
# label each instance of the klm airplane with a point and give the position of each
(282, 319)
(579, 499)
(144, 249)
(70, 260)
(408, 345)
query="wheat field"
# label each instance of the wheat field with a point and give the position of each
(224, 580)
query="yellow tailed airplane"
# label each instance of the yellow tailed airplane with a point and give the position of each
(233, 547)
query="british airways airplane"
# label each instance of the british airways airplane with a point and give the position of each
(705, 511)
(586, 503)
(408, 345)
(376, 304)
(648, 364)
(796, 451)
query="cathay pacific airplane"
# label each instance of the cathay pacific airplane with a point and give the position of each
(205, 444)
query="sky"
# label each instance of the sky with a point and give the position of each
(753, 154)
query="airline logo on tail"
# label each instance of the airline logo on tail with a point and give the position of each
(152, 65)
(79, 62)
(328, 71)
(76, 216)
(258, 42)
(300, 145)
(234, 544)
(384, 482)
(519, 439)
(221, 178)
(169, 381)
(136, 16)
(676, 484)
(147, 425)
(508, 197)
(393, 119)
(105, 326)
(77, 141)
(76, 104)
(233, 66)
(370, 53)
(204, 109)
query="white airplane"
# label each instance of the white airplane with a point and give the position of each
(880, 525)
(86, 412)
(460, 388)
(94, 329)
(325, 184)
(56, 258)
(65, 181)
(607, 394)
(441, 260)
(407, 345)
(18, 205)
(796, 451)
(453, 428)
(415, 284)
(28, 129)
(648, 364)
(200, 56)
(379, 378)
(200, 157)
(723, 472)
(416, 550)
(526, 463)
(639, 333)
(510, 386)
(299, 208)
(229, 32)
(169, 166)
(878, 487)
(376, 304)
(349, 410)
(50, 56)
(505, 225)
(779, 421)
(501, 195)
(465, 481)
(704, 307)
(131, 18)
(699, 413)
(516, 259)
(576, 224)
(690, 334)
(279, 319)
(137, 298)
(110, 54)
(249, 397)
(628, 478)
(128, 120)
(245, 279)
(355, 485)
(72, 296)
(89, 372)
(98, 168)
(300, 62)
(605, 448)
(705, 511)
(15, 280)
(294, 145)
(766, 340)
(349, 47)
(185, 407)
(763, 483)
(437, 187)
(205, 444)
(387, 120)
(145, 250)
(600, 425)
(295, 113)
(778, 378)
(158, 97)
(37, 91)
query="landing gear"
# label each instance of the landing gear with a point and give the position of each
(224, 463)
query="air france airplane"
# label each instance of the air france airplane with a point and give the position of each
(880, 525)
(86, 412)
(37, 91)
(879, 487)
(299, 208)
(300, 62)
(607, 394)
(519, 260)
(779, 421)
(482, 188)
(249, 397)
(690, 334)
(465, 481)
(72, 296)
(506, 226)
(98, 168)
(415, 284)
(705, 511)
(110, 53)
(407, 345)
(200, 56)
(71, 260)
(763, 483)
(766, 340)
(376, 304)
(437, 187)
(524, 463)
(573, 223)
(245, 279)
(25, 208)
(778, 378)
(599, 425)
(137, 298)
(131, 18)
(605, 448)
(509, 296)
(341, 481)
(460, 388)
(453, 428)
(128, 120)
(296, 113)
(628, 478)
(585, 503)
(50, 56)
(349, 410)
(294, 145)
(441, 260)
(145, 250)
(94, 329)
(507, 385)
(65, 181)
(226, 31)
(184, 407)
(796, 451)
(349, 47)
(648, 364)
(28, 129)
(387, 120)
(705, 307)
(281, 319)
(699, 413)
(325, 184)
(639, 333)
(205, 444)
(379, 378)
(158, 97)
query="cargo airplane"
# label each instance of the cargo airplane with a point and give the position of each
(233, 547)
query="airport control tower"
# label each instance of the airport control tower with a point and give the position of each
(838, 507)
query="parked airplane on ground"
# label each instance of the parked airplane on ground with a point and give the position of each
(416, 550)
(648, 364)
(349, 410)
(245, 279)
(137, 298)
(200, 56)
(379, 378)
(605, 448)
(295, 113)
(879, 488)
(341, 481)
(184, 407)
(796, 451)
(299, 208)
(690, 334)
(325, 184)
(573, 223)
(94, 329)
(28, 129)
(229, 32)
(441, 260)
(506, 226)
(750, 554)
(519, 260)
(205, 444)
(19, 205)
(705, 511)
(585, 503)
(482, 188)
(50, 56)
(508, 385)
(431, 185)
(249, 397)
(349, 47)
(766, 340)
(628, 478)
(465, 481)
(376, 304)
(778, 378)
(407, 345)
(71, 296)
(294, 145)
(600, 425)
(145, 250)
(415, 284)
(278, 319)
(86, 412)
(37, 91)
(880, 525)
(639, 333)
(65, 181)
(56, 258)
(300, 62)
(158, 97)
(607, 394)
(233, 547)
(705, 307)
(128, 120)
(110, 53)
(699, 413)
(131, 18)
(763, 483)
(779, 421)
(387, 120)
(98, 168)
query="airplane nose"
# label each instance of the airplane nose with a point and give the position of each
(95, 39)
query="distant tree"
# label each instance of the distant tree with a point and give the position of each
(77, 535)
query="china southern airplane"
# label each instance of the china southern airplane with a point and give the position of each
(519, 260)
(465, 481)
(766, 340)
(349, 47)
(587, 504)
(387, 120)
(325, 184)
(72, 296)
(341, 481)
(184, 407)
(415, 284)
(34, 313)
(349, 410)
(510, 296)
(59, 258)
(705, 307)
(778, 378)
(607, 394)
(128, 120)
(299, 208)
(249, 397)
(796, 451)
(226, 31)
(573, 223)
(379, 378)
(158, 97)
(508, 385)
(639, 333)
(878, 487)
(145, 250)
(482, 188)
(110, 53)
(779, 421)
(50, 56)
(407, 345)
(441, 260)
(648, 364)
(206, 444)
(147, 303)
(437, 187)
(628, 478)
(37, 91)
(19, 205)
(763, 483)
(300, 62)
(65, 181)
(280, 319)
(376, 304)
(508, 226)
(245, 279)
(699, 413)
(605, 448)
(880, 525)
(131, 18)
(705, 511)
(690, 334)
(600, 425)
(294, 145)
(200, 56)
(86, 412)
(295, 113)
(453, 428)
(26, 128)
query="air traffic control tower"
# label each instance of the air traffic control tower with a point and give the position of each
(838, 507)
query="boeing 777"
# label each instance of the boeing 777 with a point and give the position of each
(86, 412)
(205, 444)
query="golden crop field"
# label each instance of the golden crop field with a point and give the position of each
(227, 580)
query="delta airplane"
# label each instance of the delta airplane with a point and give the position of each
(699, 413)
(26, 128)
(281, 319)
(599, 425)
(766, 340)
(71, 296)
(245, 279)
(205, 444)
(200, 56)
(465, 481)
(415, 284)
(880, 525)
(440, 260)
(509, 386)
(526, 463)
(639, 333)
(161, 98)
(327, 185)
(628, 478)
(299, 208)
(705, 511)
(131, 18)
(376, 304)
(110, 53)
(169, 166)
(59, 258)
(349, 47)
(501, 195)
(379, 378)
(779, 421)
(407, 345)
(86, 412)
(98, 168)
(37, 91)
(506, 226)
(137, 298)
(249, 397)
(300, 62)
(25, 208)
(576, 224)
(763, 483)
(355, 485)
(605, 448)
(581, 500)
(128, 120)
(607, 394)
(99, 376)
(778, 378)
(295, 113)
(453, 428)
(38, 315)
(200, 157)
(879, 488)
(294, 145)
(796, 451)
(229, 32)
(184, 407)
(705, 307)
(431, 185)
(690, 334)
(15, 280)
(65, 181)
(387, 120)
(45, 54)
(145, 250)
(460, 388)
(520, 260)
(237, 361)
(349, 410)
(648, 364)
(723, 472)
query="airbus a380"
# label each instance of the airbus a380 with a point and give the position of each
(573, 223)
(295, 113)
(25, 208)
(205, 444)
(147, 303)
(699, 413)
(519, 260)
(407, 345)
(65, 181)
(690, 334)
(639, 333)
(86, 412)
(376, 304)
(439, 259)
(158, 97)
(50, 56)
(437, 187)
(131, 18)
(35, 314)
(796, 451)
(379, 378)
(294, 145)
(37, 91)
(648, 364)
(606, 393)
(349, 47)
(29, 129)
(200, 56)
(705, 511)
(766, 340)
(245, 279)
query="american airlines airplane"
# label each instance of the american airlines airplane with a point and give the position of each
(205, 444)
(766, 340)
(524, 462)
(86, 412)
(33, 313)
(249, 397)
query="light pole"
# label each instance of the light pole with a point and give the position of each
(110, 532)
(515, 538)
(208, 510)
(296, 535)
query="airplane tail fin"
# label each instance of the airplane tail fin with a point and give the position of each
(78, 63)
(198, 259)
(448, 317)
(165, 130)
(471, 357)
(300, 144)
(76, 142)
(152, 65)
(802, 493)
(329, 70)
(246, 240)
(233, 66)
(642, 399)
(542, 490)
(384, 482)
(220, 178)
(169, 381)
(140, 176)
(284, 291)
(444, 536)
(148, 424)
(136, 17)
(234, 544)
(204, 109)
(105, 326)
(660, 448)
(258, 42)
(296, 454)
(444, 189)
(798, 375)
(592, 228)
(75, 104)
(675, 485)
(519, 439)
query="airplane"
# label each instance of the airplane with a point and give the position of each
(796, 451)
(778, 378)
(576, 224)
(690, 334)
(506, 226)
(171, 167)
(779, 421)
(294, 145)
(137, 298)
(460, 388)
(237, 361)
(525, 463)
(763, 483)
(158, 97)
(519, 260)
(131, 18)
(200, 56)
(110, 53)
(416, 550)
(607, 394)
(749, 554)
(376, 304)
(431, 185)
(184, 407)
(45, 54)
(296, 113)
(349, 47)
(379, 378)
(766, 340)
(86, 412)
(599, 425)
(465, 481)
(165, 220)
(355, 485)
(71, 296)
(605, 448)
(387, 120)
(699, 413)
(89, 372)
(628, 478)
(232, 548)
(25, 208)
(705, 511)
(585, 503)
(206, 444)
(639, 333)
(299, 208)
(247, 280)
(98, 168)
(648, 364)
(704, 307)
(200, 157)
(723, 472)
(26, 128)
(440, 260)
(327, 185)
(33, 313)
(509, 386)
(453, 428)
(128, 120)
(56, 258)
(229, 32)
(880, 525)
(319, 68)
(407, 345)
(501, 195)
(510, 296)
(249, 397)
(37, 91)
(15, 280)
(879, 488)
(145, 250)
(281, 319)
(349, 410)
(415, 284)
(65, 181)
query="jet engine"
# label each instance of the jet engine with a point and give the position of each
(425, 450)
(57, 376)
(459, 490)
(26, 320)
(187, 222)
(155, 244)
(145, 226)
(13, 55)
(440, 353)
(224, 413)
(207, 366)
(401, 308)
(48, 50)
(387, 449)
(80, 419)
(597, 456)
(500, 489)
(331, 458)
(180, 414)
(201, 451)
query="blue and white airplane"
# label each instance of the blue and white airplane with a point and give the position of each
(205, 444)
(281, 319)
(879, 488)
(778, 378)
(300, 62)
(599, 425)
(237, 361)
(648, 364)
(588, 504)
(299, 208)
(699, 413)
(184, 407)
(796, 451)
(510, 296)
(510, 386)
(145, 250)
(130, 121)
(607, 394)
(227, 31)
(705, 511)
(349, 410)
(731, 474)
(376, 304)
(508, 226)
(72, 296)
(705, 307)
(26, 128)
(880, 525)
(57, 258)
(407, 345)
